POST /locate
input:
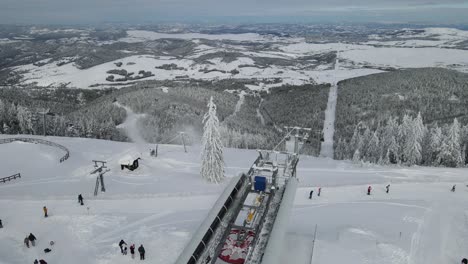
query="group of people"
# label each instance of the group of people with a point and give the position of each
(123, 249)
(30, 239)
(312, 192)
(369, 189)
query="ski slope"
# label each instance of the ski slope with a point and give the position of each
(161, 204)
(327, 149)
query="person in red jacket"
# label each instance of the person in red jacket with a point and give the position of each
(369, 189)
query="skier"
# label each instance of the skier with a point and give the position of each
(369, 189)
(42, 261)
(47, 250)
(141, 250)
(80, 199)
(319, 191)
(36, 262)
(26, 241)
(32, 238)
(45, 211)
(1, 224)
(388, 188)
(453, 188)
(132, 250)
(121, 243)
(310, 194)
(464, 261)
(125, 251)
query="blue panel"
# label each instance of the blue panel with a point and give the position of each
(260, 183)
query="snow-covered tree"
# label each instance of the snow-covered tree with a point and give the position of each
(389, 131)
(340, 151)
(392, 151)
(435, 145)
(357, 156)
(450, 154)
(24, 119)
(354, 144)
(414, 131)
(373, 150)
(212, 168)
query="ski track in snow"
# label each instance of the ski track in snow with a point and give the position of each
(259, 113)
(326, 149)
(240, 102)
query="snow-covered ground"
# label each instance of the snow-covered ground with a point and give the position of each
(158, 205)
(326, 149)
(162, 203)
(358, 59)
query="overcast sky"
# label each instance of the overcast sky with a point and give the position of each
(248, 11)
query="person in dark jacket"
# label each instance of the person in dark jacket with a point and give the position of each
(45, 211)
(310, 194)
(42, 261)
(32, 238)
(132, 251)
(80, 199)
(1, 224)
(36, 262)
(387, 188)
(26, 241)
(121, 243)
(141, 250)
(464, 261)
(319, 191)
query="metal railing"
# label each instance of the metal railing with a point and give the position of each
(9, 178)
(38, 141)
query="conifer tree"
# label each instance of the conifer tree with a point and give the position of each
(212, 168)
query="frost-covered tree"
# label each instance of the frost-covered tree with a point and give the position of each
(373, 150)
(450, 154)
(340, 150)
(389, 131)
(392, 151)
(356, 156)
(212, 168)
(435, 145)
(404, 134)
(354, 144)
(24, 119)
(414, 131)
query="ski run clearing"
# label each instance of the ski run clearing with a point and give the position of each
(161, 204)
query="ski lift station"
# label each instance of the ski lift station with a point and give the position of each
(248, 221)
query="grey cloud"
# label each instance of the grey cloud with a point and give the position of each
(95, 11)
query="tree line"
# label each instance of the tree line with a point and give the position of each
(407, 141)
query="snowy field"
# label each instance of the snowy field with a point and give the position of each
(437, 49)
(162, 203)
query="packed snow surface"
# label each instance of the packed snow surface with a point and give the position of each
(161, 204)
